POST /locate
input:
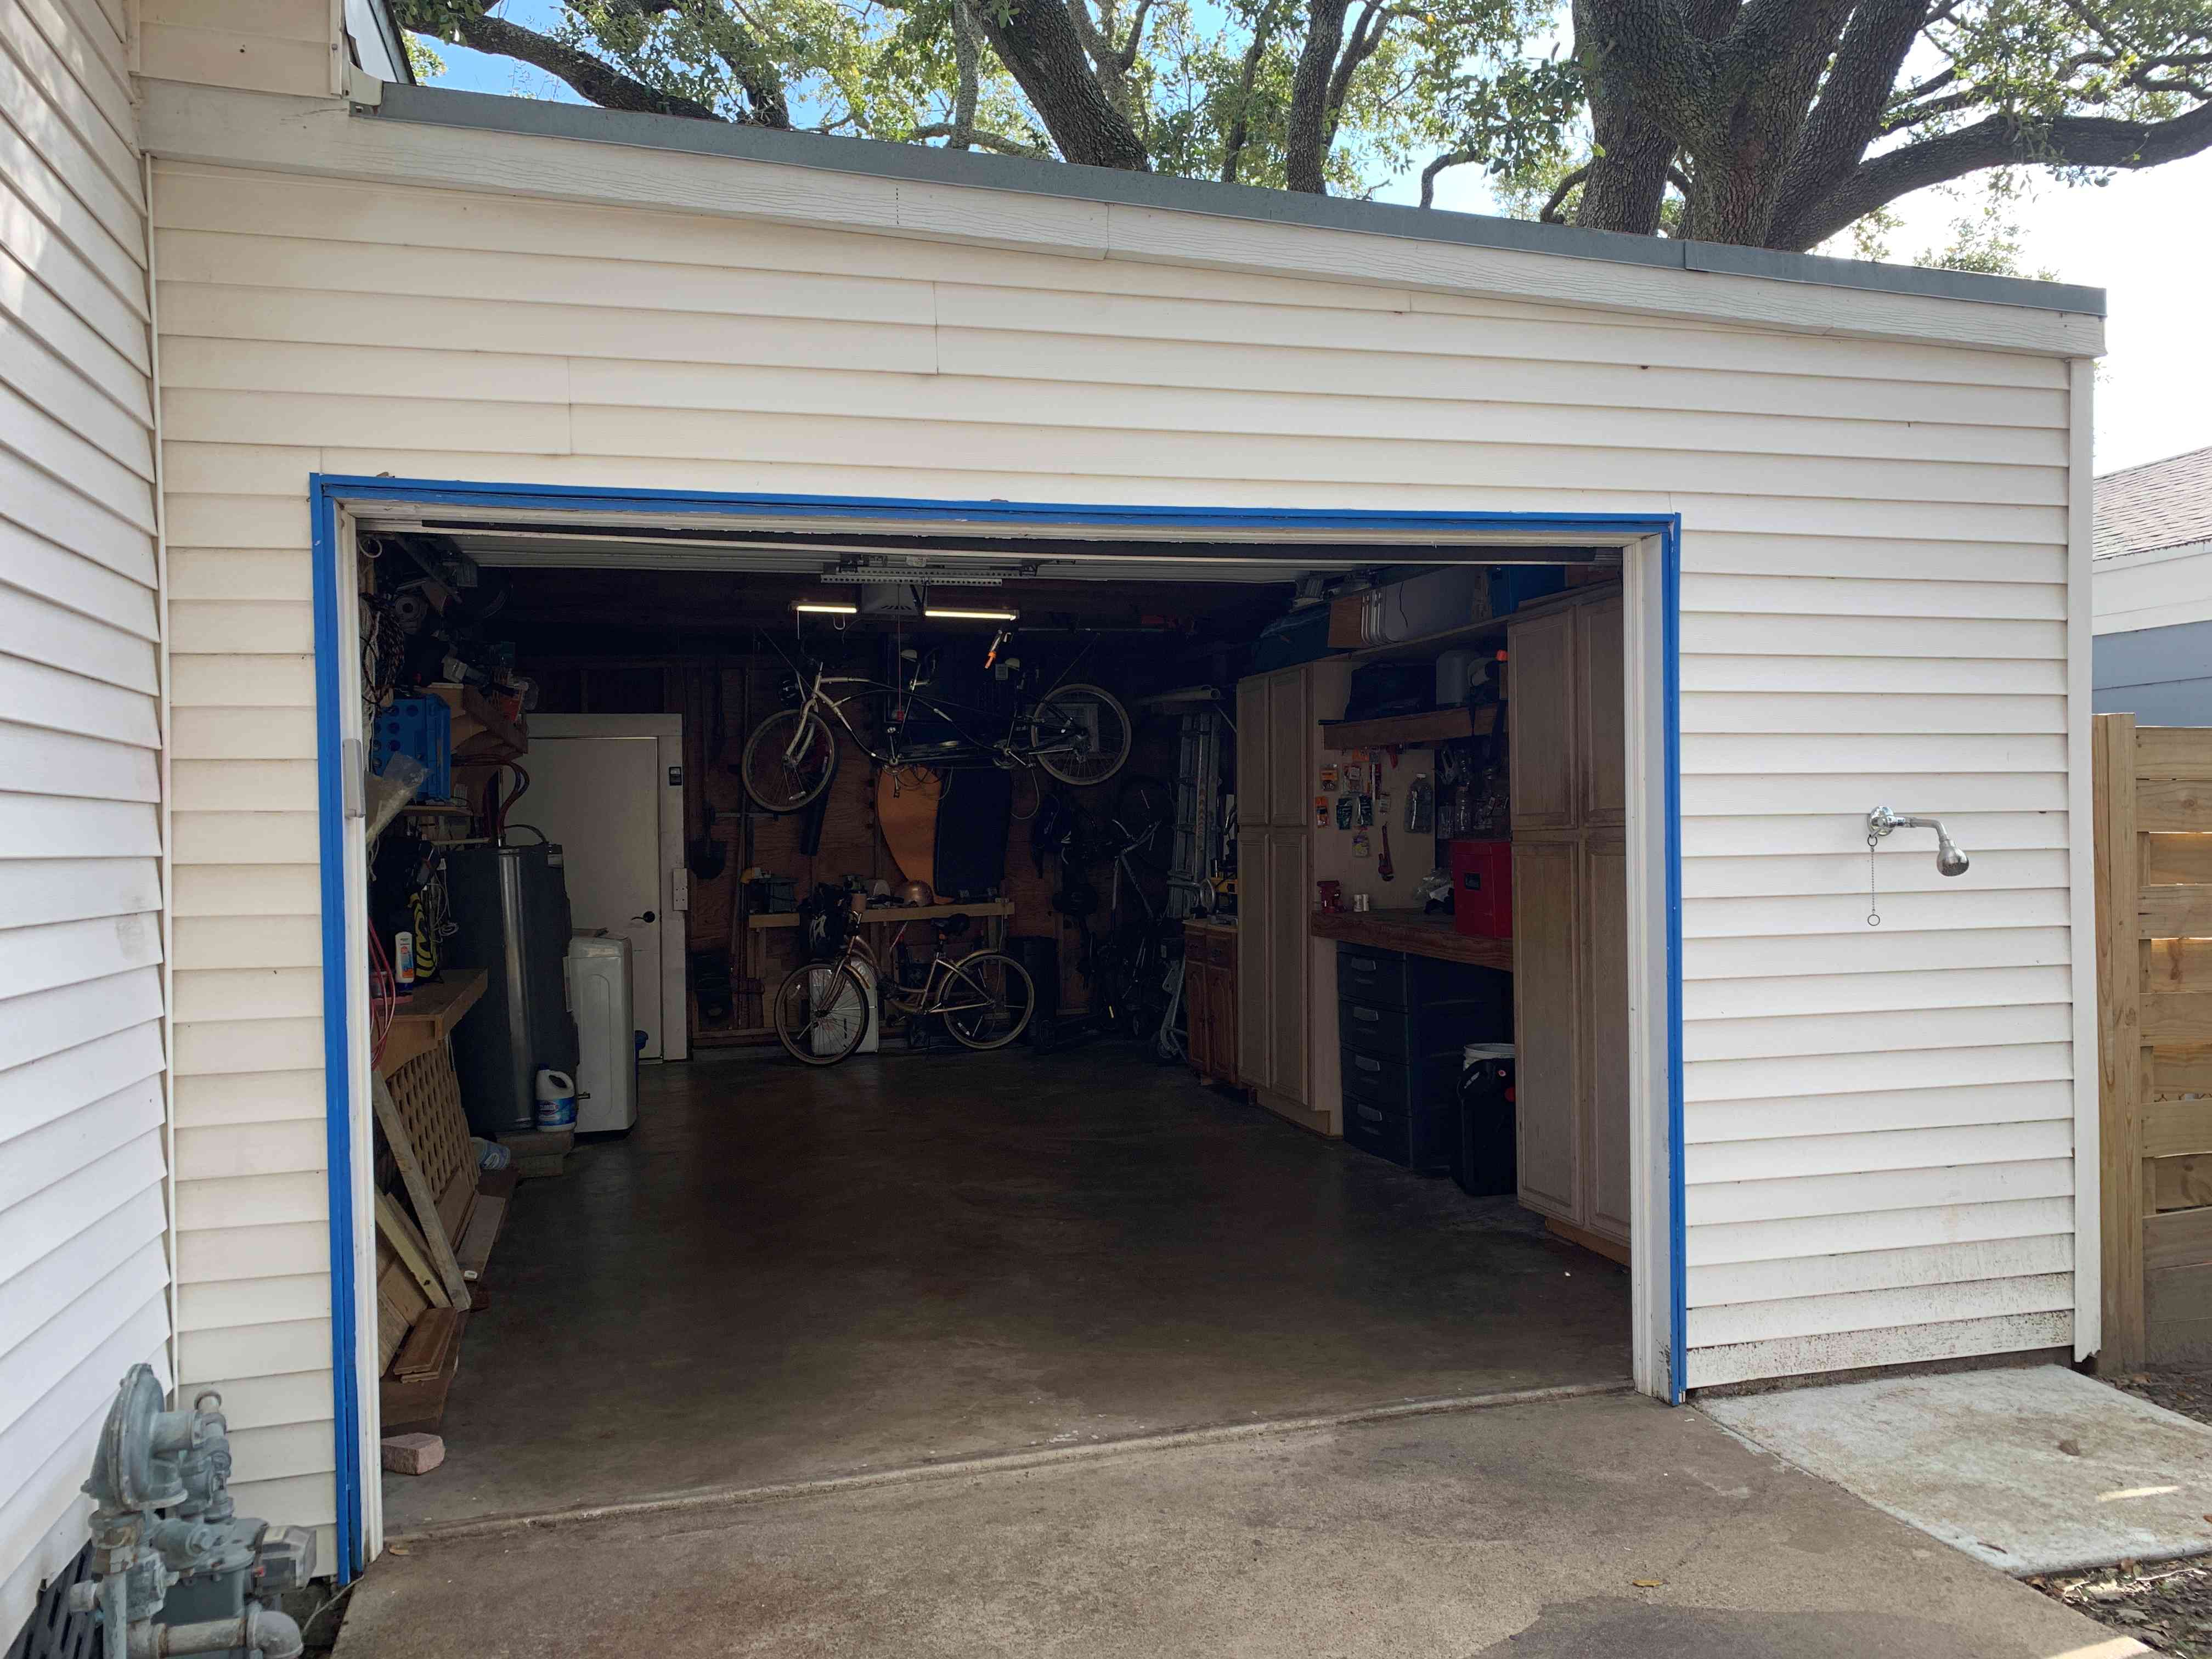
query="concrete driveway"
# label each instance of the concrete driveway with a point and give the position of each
(1583, 1528)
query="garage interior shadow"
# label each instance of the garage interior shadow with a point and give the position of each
(783, 1274)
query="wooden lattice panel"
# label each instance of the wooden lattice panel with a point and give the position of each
(428, 1096)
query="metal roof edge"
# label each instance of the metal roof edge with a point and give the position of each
(587, 123)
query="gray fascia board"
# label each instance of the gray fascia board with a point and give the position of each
(486, 112)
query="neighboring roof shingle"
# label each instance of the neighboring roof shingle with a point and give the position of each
(2165, 503)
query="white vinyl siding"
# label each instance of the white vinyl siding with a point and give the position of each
(266, 46)
(1875, 601)
(84, 1271)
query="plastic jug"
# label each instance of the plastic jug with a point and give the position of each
(556, 1100)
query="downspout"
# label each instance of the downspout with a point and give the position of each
(163, 718)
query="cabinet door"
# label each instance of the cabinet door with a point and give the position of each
(1287, 953)
(1221, 1019)
(1290, 721)
(1602, 772)
(1254, 917)
(1540, 666)
(1604, 906)
(1546, 1087)
(1198, 1036)
(1252, 750)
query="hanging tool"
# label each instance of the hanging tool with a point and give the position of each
(1382, 865)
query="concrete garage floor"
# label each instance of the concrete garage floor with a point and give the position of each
(785, 1274)
(1606, 1527)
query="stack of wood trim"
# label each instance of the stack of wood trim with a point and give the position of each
(432, 1341)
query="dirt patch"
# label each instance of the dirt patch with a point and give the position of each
(2184, 1388)
(2165, 1605)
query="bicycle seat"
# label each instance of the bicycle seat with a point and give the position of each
(953, 927)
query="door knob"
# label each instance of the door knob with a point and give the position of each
(647, 917)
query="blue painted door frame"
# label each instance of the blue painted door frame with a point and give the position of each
(329, 492)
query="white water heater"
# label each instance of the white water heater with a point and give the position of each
(607, 1033)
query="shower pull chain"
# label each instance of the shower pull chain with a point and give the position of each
(1873, 896)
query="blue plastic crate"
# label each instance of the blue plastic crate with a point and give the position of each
(423, 727)
(1512, 585)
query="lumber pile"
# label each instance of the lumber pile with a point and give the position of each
(434, 1236)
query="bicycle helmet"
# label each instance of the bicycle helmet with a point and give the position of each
(915, 892)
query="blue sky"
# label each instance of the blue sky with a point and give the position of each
(2145, 237)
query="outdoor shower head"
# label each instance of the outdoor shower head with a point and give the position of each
(1949, 860)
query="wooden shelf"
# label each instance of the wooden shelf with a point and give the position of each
(1410, 731)
(1489, 633)
(481, 733)
(1416, 933)
(890, 913)
(433, 809)
(427, 1017)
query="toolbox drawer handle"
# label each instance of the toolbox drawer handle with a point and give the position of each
(1367, 1014)
(1369, 1113)
(1365, 1064)
(1364, 964)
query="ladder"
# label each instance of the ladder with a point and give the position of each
(1197, 781)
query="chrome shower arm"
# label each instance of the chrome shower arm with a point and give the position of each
(1949, 860)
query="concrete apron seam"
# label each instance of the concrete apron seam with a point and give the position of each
(721, 1497)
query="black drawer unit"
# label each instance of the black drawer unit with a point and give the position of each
(1376, 1029)
(1408, 1117)
(1385, 1133)
(1371, 975)
(1402, 1022)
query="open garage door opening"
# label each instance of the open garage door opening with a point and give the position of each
(919, 994)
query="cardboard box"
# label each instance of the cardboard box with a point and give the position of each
(1343, 622)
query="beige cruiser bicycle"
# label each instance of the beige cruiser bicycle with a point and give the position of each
(821, 1009)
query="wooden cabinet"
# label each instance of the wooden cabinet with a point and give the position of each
(1571, 915)
(1284, 985)
(1254, 1064)
(1541, 707)
(1252, 807)
(1602, 715)
(1209, 991)
(1292, 729)
(1289, 945)
(1604, 992)
(1547, 1074)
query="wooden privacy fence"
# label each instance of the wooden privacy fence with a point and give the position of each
(2153, 829)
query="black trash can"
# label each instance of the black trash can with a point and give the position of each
(1483, 1161)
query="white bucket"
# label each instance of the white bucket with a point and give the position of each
(556, 1100)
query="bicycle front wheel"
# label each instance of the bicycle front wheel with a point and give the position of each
(822, 1012)
(785, 768)
(1080, 734)
(987, 1000)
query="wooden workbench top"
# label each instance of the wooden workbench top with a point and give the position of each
(1414, 933)
(428, 1015)
(880, 915)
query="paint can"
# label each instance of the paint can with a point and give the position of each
(556, 1101)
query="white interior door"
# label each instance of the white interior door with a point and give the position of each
(600, 797)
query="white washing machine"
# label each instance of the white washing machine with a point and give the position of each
(607, 1033)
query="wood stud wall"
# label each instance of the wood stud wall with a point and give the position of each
(849, 845)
